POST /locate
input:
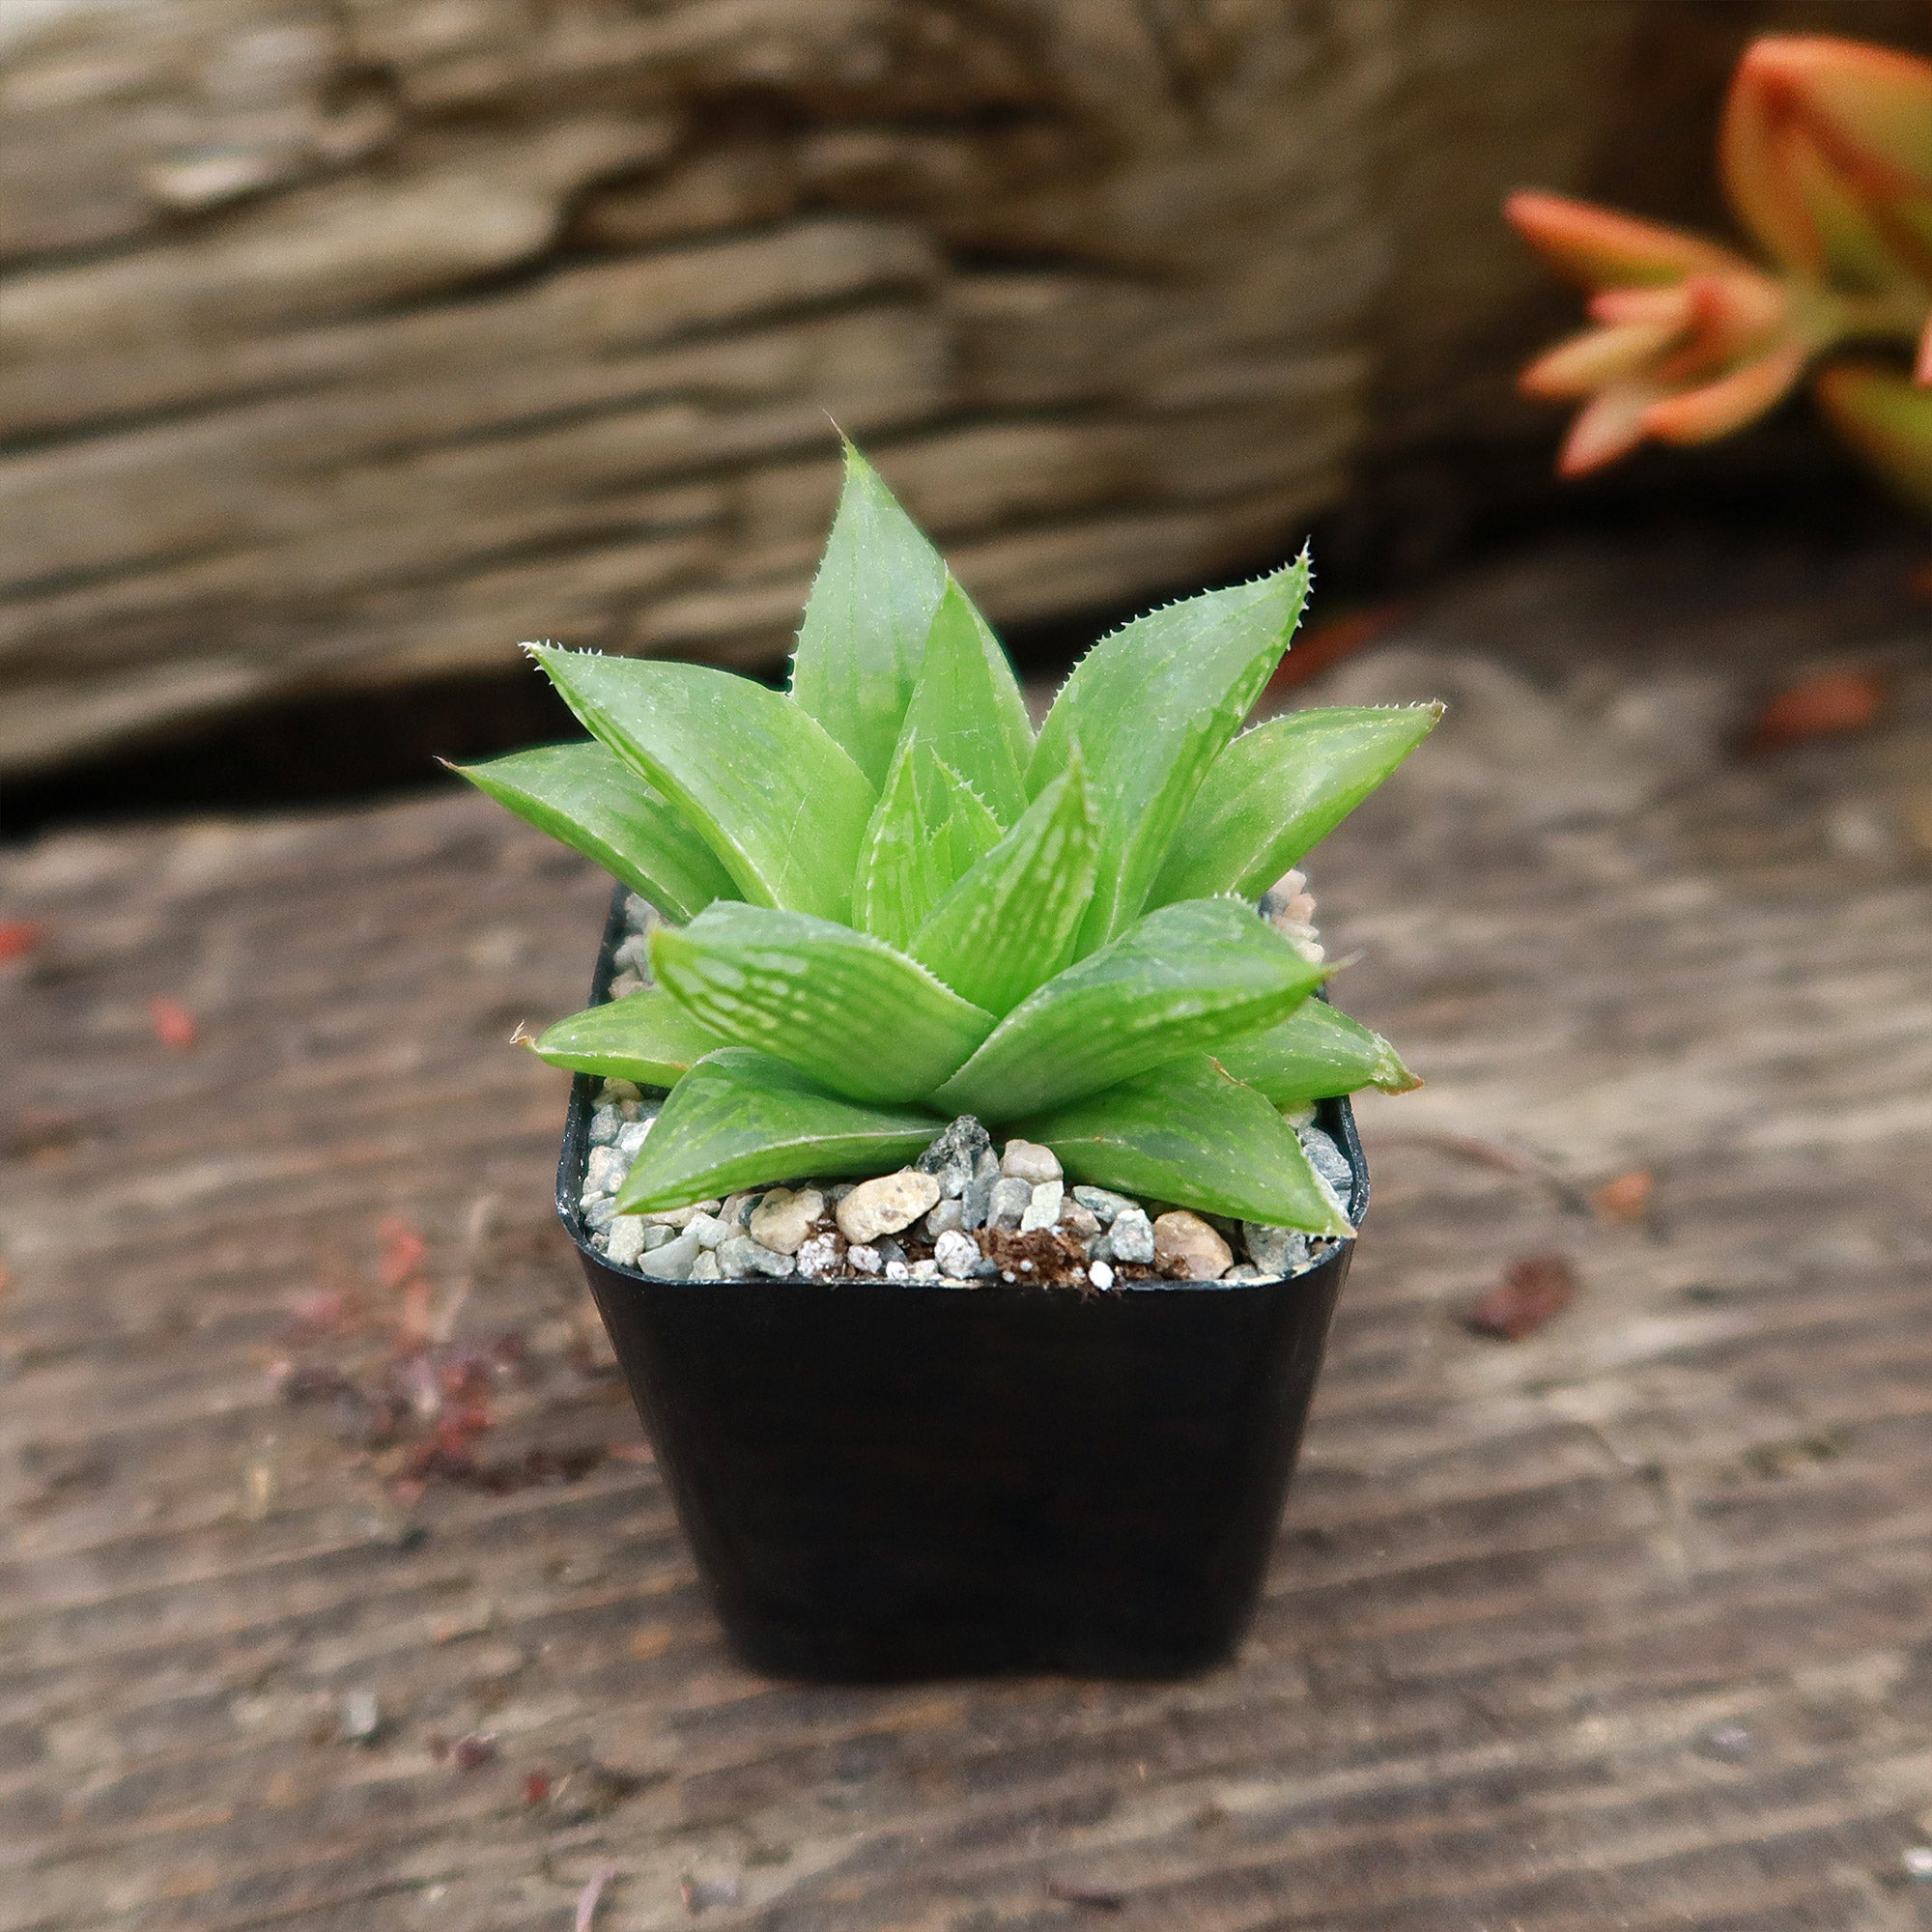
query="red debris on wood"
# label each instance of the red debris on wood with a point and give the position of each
(173, 1024)
(1329, 644)
(1827, 704)
(1533, 1292)
(403, 1251)
(18, 937)
(1626, 1198)
(536, 1786)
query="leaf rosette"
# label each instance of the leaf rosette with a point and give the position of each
(889, 903)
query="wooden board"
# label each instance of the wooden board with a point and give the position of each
(1625, 1625)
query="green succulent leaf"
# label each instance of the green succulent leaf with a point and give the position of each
(740, 1119)
(585, 796)
(867, 619)
(645, 1037)
(928, 829)
(856, 1017)
(967, 706)
(1316, 1054)
(1191, 1133)
(1186, 978)
(775, 799)
(1151, 707)
(1009, 924)
(1279, 790)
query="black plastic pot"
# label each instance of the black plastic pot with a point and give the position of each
(888, 1480)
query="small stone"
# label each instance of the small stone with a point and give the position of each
(1129, 1239)
(673, 1262)
(819, 1257)
(362, 1717)
(922, 1271)
(952, 1157)
(976, 1201)
(1917, 1861)
(1043, 1207)
(739, 1255)
(1102, 1203)
(782, 1219)
(1280, 1251)
(1298, 1118)
(736, 1212)
(837, 1190)
(864, 1259)
(605, 1121)
(598, 1211)
(1245, 1273)
(955, 1254)
(1101, 1275)
(619, 1091)
(1329, 1162)
(705, 1267)
(884, 1206)
(947, 1218)
(1008, 1202)
(631, 1137)
(627, 1240)
(623, 984)
(604, 1172)
(682, 1218)
(1026, 1161)
(1186, 1248)
(710, 1229)
(899, 1270)
(890, 1250)
(1081, 1223)
(658, 1236)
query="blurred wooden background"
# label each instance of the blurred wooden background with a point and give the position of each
(352, 341)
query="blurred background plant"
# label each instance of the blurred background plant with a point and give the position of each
(1826, 156)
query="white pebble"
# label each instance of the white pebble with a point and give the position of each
(864, 1260)
(1028, 1161)
(705, 1267)
(604, 1172)
(627, 1240)
(1043, 1210)
(1131, 1238)
(709, 1230)
(956, 1254)
(1101, 1275)
(818, 1257)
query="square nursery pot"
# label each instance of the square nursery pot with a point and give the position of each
(886, 1480)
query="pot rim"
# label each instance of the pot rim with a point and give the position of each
(1335, 1116)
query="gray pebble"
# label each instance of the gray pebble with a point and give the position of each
(740, 1256)
(673, 1262)
(709, 1230)
(604, 1172)
(955, 1154)
(1043, 1210)
(976, 1202)
(658, 1236)
(890, 1250)
(736, 1212)
(1245, 1272)
(605, 1121)
(1102, 1203)
(598, 1211)
(705, 1267)
(1131, 1238)
(1008, 1202)
(947, 1218)
(631, 1137)
(1275, 1250)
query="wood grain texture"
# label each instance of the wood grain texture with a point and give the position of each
(345, 341)
(1622, 1624)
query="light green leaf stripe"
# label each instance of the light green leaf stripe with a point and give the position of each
(928, 829)
(865, 622)
(774, 798)
(1280, 790)
(741, 1120)
(1009, 924)
(1316, 1054)
(1190, 1133)
(1151, 707)
(859, 1018)
(585, 796)
(1184, 978)
(967, 706)
(645, 1037)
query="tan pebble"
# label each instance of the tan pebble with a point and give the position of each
(884, 1206)
(1028, 1161)
(1187, 1248)
(782, 1219)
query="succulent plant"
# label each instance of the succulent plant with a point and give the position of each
(889, 903)
(1826, 154)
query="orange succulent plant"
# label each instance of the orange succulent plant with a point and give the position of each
(1825, 151)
